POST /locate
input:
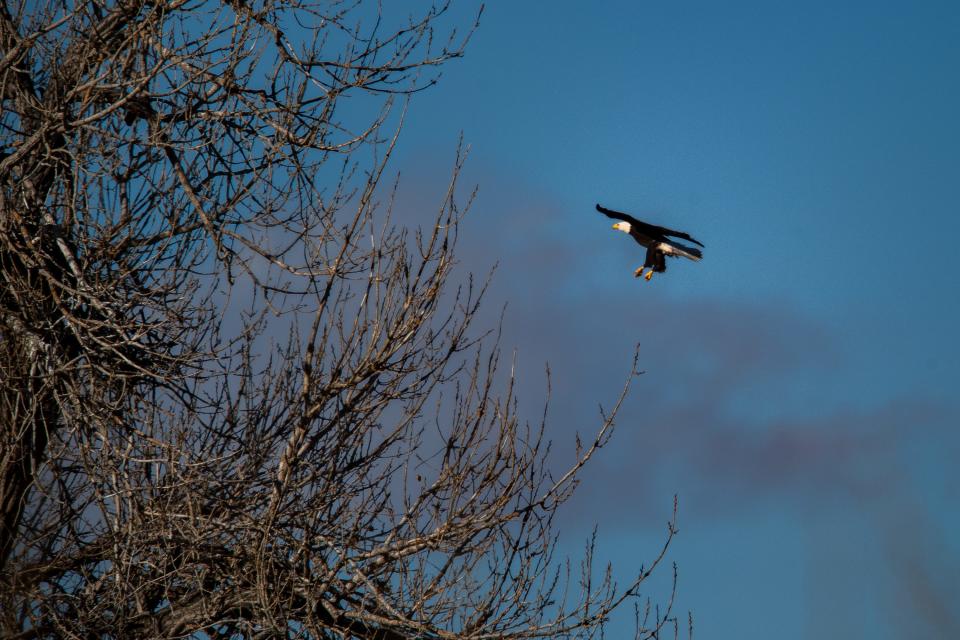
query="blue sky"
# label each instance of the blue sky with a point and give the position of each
(801, 385)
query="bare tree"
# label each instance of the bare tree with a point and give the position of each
(183, 181)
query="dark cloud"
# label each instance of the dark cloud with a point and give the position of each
(744, 409)
(921, 596)
(741, 401)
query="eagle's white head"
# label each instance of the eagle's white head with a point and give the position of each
(622, 226)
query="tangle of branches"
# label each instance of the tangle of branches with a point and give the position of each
(237, 398)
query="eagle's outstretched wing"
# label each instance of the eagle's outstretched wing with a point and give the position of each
(650, 230)
(610, 213)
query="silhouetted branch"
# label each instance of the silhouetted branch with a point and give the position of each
(237, 399)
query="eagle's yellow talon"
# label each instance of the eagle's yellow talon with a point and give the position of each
(649, 275)
(638, 272)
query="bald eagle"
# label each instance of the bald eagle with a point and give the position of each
(655, 239)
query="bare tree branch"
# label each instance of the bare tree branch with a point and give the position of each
(236, 398)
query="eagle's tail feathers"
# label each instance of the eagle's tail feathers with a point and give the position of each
(677, 249)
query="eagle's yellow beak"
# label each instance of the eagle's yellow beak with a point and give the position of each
(614, 227)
